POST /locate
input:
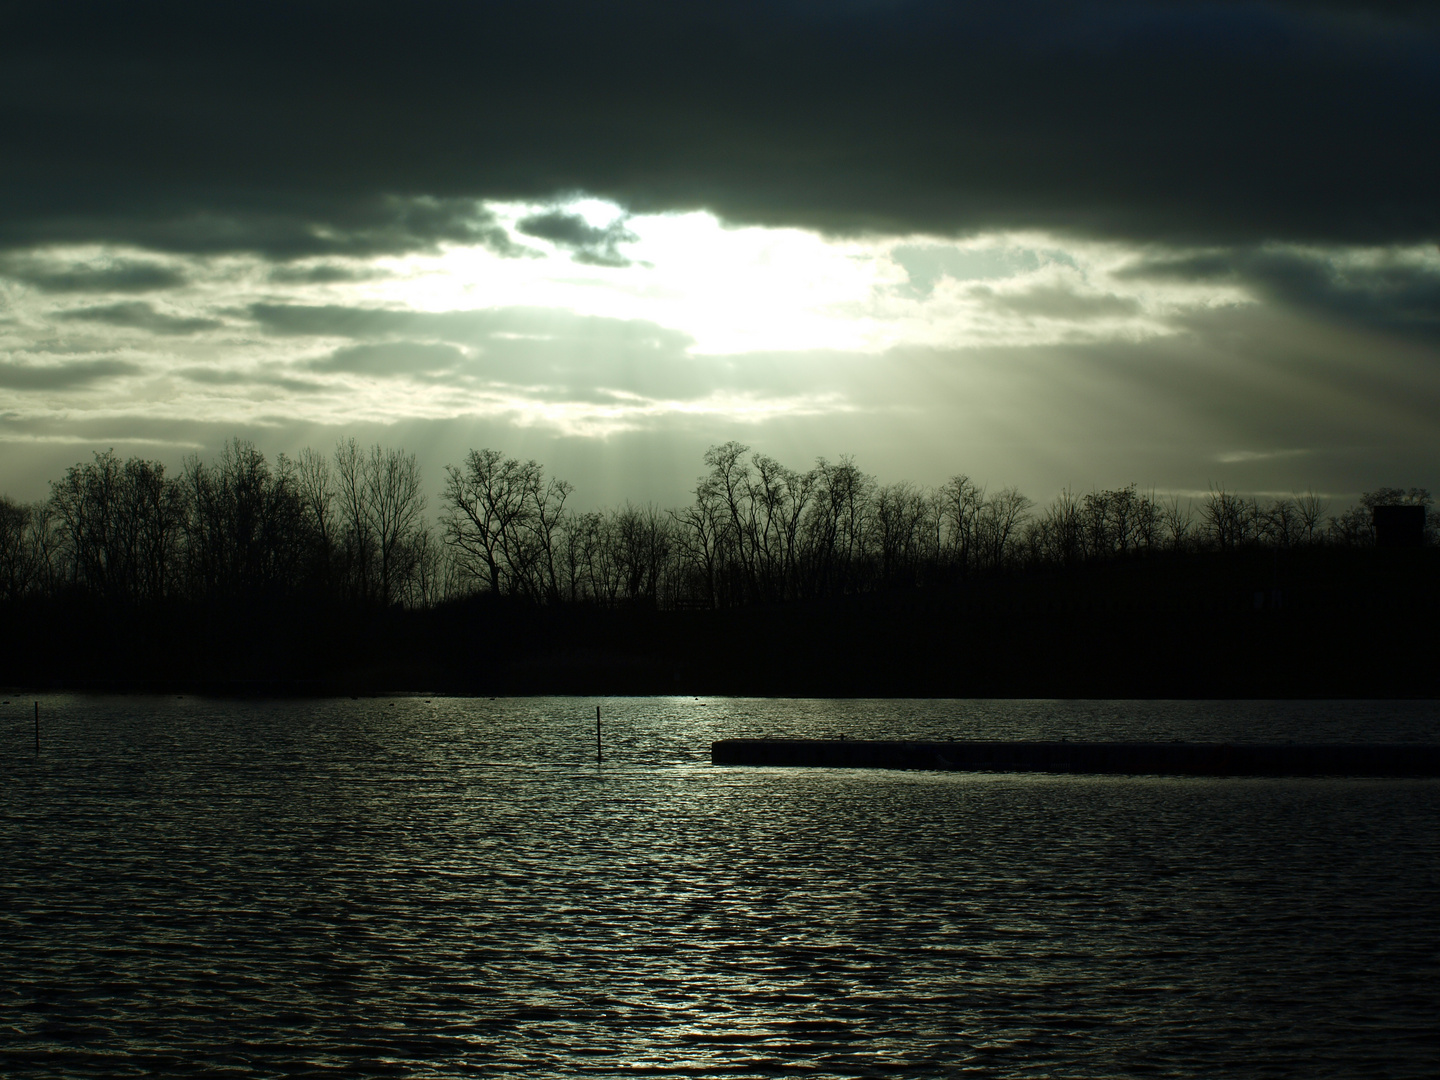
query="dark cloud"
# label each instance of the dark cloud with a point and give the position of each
(61, 376)
(215, 376)
(484, 325)
(1386, 294)
(1055, 302)
(553, 355)
(123, 276)
(592, 245)
(139, 315)
(331, 320)
(313, 128)
(280, 225)
(392, 358)
(322, 274)
(541, 355)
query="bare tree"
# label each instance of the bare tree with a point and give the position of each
(837, 526)
(244, 525)
(150, 523)
(315, 486)
(84, 501)
(1229, 519)
(1177, 521)
(1001, 517)
(1278, 524)
(504, 521)
(1064, 533)
(15, 569)
(381, 504)
(432, 578)
(482, 503)
(28, 546)
(901, 513)
(1097, 527)
(777, 500)
(119, 527)
(698, 537)
(642, 540)
(394, 504)
(729, 479)
(547, 501)
(357, 546)
(960, 501)
(1127, 513)
(1311, 510)
(588, 558)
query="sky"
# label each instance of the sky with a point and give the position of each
(1048, 245)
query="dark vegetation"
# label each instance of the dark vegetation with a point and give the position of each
(323, 574)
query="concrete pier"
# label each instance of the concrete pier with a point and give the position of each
(1137, 758)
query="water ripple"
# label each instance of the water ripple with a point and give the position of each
(450, 887)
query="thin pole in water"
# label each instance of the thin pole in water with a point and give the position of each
(598, 758)
(37, 727)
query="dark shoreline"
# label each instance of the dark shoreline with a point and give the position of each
(324, 689)
(1348, 625)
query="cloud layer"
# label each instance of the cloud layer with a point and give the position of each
(1068, 242)
(316, 128)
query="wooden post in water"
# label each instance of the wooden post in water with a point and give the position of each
(598, 758)
(37, 728)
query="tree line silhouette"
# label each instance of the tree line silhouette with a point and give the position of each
(351, 528)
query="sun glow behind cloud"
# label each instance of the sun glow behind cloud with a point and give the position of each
(588, 323)
(739, 290)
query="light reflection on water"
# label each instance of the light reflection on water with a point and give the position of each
(446, 887)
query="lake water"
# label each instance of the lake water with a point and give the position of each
(451, 887)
